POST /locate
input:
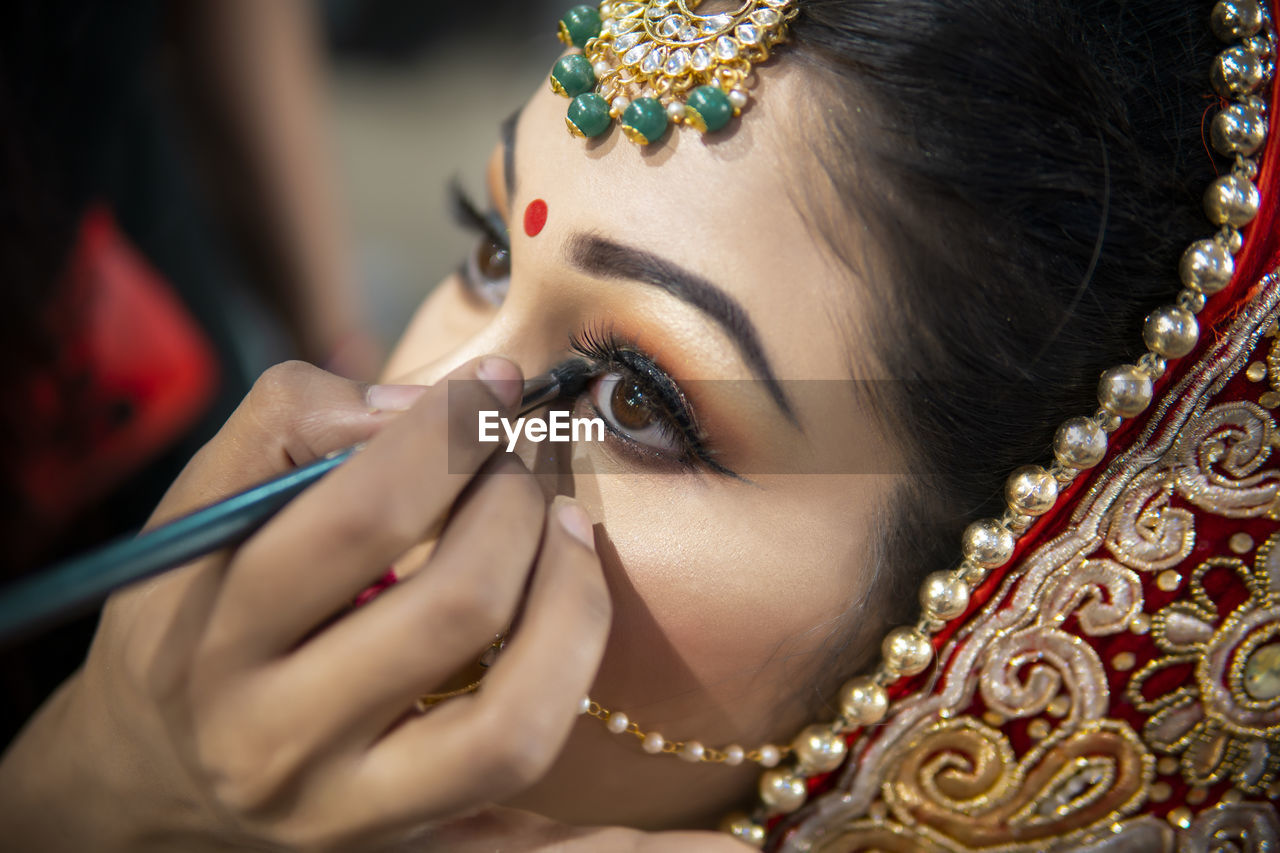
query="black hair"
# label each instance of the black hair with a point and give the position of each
(1014, 183)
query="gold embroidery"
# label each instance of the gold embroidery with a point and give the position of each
(1273, 360)
(942, 774)
(961, 782)
(1226, 725)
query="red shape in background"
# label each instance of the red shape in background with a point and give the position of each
(535, 217)
(147, 368)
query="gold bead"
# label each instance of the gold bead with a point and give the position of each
(1246, 167)
(744, 829)
(1235, 19)
(1235, 240)
(1015, 521)
(1207, 266)
(1260, 46)
(988, 544)
(1231, 200)
(1171, 331)
(781, 790)
(1152, 365)
(1191, 300)
(863, 702)
(1031, 490)
(1240, 542)
(944, 595)
(906, 651)
(1181, 817)
(1079, 443)
(818, 750)
(1235, 72)
(972, 573)
(1238, 129)
(1125, 390)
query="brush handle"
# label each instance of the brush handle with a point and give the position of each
(85, 581)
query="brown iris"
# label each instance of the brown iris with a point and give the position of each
(630, 406)
(493, 261)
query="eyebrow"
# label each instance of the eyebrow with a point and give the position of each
(507, 132)
(602, 258)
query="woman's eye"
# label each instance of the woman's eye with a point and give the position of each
(629, 409)
(487, 271)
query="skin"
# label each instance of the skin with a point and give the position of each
(239, 702)
(696, 562)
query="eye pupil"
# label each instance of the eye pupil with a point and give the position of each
(492, 261)
(630, 405)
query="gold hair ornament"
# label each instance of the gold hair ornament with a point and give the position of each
(657, 63)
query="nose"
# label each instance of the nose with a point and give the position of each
(548, 460)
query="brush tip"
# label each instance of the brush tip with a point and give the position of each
(573, 375)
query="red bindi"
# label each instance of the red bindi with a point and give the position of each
(535, 217)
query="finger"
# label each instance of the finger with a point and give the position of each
(487, 746)
(294, 414)
(502, 739)
(415, 635)
(339, 536)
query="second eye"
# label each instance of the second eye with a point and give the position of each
(487, 271)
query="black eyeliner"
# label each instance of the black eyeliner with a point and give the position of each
(606, 350)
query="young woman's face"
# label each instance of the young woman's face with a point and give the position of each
(735, 558)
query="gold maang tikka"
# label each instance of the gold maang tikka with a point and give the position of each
(657, 63)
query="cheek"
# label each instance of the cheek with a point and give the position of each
(721, 609)
(445, 321)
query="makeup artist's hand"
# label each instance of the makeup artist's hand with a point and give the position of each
(238, 702)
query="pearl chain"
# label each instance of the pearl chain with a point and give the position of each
(692, 751)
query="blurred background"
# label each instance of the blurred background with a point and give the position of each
(417, 91)
(193, 190)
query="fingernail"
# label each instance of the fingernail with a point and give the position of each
(577, 524)
(393, 398)
(502, 378)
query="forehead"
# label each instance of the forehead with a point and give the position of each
(727, 206)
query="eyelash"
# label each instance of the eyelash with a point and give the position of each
(495, 239)
(677, 421)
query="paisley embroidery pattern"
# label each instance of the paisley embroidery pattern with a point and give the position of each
(1120, 688)
(1226, 723)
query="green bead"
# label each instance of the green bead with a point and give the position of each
(572, 75)
(644, 121)
(579, 24)
(707, 109)
(588, 115)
